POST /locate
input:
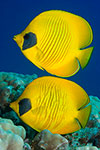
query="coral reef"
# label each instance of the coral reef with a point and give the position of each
(11, 136)
(87, 148)
(10, 141)
(7, 124)
(45, 140)
(11, 87)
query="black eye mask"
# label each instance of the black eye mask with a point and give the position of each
(29, 40)
(24, 106)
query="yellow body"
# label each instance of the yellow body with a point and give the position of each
(57, 104)
(60, 37)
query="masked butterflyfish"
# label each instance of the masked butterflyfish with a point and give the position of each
(57, 41)
(53, 103)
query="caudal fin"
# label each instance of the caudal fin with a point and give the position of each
(84, 56)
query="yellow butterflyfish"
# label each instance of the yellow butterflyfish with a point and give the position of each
(53, 103)
(57, 41)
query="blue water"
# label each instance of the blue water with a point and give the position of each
(15, 15)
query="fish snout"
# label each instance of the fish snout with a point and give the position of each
(14, 106)
(18, 39)
(14, 38)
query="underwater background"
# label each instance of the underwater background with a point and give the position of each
(16, 15)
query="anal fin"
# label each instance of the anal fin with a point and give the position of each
(65, 69)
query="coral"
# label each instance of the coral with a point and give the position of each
(27, 146)
(12, 85)
(87, 148)
(7, 124)
(10, 141)
(11, 136)
(45, 140)
(95, 102)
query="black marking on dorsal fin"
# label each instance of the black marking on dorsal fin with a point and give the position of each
(29, 40)
(24, 106)
(78, 122)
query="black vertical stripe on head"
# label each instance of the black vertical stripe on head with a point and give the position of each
(24, 106)
(29, 40)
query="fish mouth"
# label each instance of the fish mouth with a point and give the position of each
(19, 40)
(14, 38)
(14, 106)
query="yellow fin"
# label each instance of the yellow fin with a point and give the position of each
(83, 115)
(67, 69)
(84, 56)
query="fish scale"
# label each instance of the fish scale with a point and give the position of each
(47, 103)
(50, 104)
(62, 52)
(48, 34)
(55, 47)
(45, 35)
(53, 115)
(47, 51)
(56, 43)
(55, 56)
(54, 110)
(59, 55)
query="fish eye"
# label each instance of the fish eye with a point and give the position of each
(24, 106)
(26, 36)
(30, 40)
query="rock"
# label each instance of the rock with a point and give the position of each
(45, 140)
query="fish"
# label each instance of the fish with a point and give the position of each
(53, 103)
(58, 42)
